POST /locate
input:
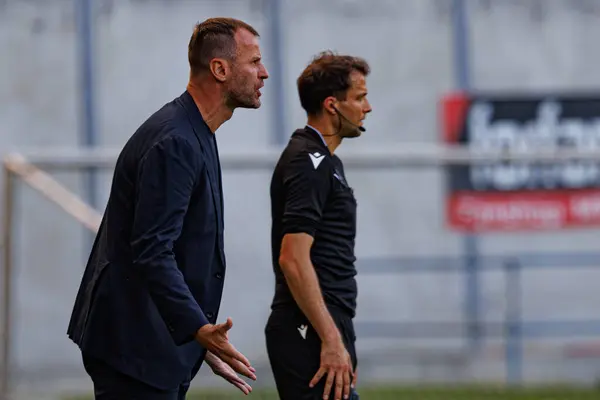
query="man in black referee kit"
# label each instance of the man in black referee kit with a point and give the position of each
(309, 335)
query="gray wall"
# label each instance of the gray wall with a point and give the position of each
(142, 64)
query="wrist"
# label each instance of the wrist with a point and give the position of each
(332, 336)
(200, 333)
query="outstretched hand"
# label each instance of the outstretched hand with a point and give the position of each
(214, 338)
(226, 372)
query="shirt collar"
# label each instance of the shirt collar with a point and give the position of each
(319, 133)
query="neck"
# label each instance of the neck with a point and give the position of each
(328, 130)
(208, 97)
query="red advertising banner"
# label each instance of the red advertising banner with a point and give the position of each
(524, 210)
(525, 195)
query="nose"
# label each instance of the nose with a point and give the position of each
(264, 74)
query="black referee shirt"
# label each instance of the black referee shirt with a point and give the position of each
(309, 194)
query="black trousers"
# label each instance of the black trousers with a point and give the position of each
(294, 351)
(110, 384)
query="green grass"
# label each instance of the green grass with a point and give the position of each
(424, 393)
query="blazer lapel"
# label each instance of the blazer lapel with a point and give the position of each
(212, 162)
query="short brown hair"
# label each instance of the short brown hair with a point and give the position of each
(214, 38)
(328, 74)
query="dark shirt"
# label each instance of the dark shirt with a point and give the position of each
(309, 194)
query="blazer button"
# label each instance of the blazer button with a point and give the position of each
(209, 315)
(219, 275)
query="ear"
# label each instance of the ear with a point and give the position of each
(329, 105)
(219, 68)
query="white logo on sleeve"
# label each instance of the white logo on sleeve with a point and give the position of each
(303, 329)
(316, 158)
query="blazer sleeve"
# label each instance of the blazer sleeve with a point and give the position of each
(166, 179)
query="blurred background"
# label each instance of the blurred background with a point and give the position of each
(484, 274)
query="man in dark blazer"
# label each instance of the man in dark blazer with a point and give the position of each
(146, 311)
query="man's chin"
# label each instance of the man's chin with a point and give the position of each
(353, 134)
(251, 104)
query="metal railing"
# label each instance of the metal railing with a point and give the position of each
(28, 166)
(513, 328)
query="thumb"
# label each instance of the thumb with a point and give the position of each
(224, 327)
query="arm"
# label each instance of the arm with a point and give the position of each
(307, 189)
(166, 178)
(303, 283)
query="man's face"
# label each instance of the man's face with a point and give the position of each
(247, 72)
(355, 107)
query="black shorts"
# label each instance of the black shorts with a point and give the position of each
(294, 350)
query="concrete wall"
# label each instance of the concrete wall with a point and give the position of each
(142, 64)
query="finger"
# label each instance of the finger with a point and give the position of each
(346, 382)
(225, 326)
(340, 384)
(355, 378)
(317, 377)
(244, 387)
(243, 370)
(239, 367)
(240, 384)
(231, 351)
(328, 384)
(236, 380)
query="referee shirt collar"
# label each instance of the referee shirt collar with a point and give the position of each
(318, 133)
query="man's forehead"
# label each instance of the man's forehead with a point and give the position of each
(359, 81)
(245, 39)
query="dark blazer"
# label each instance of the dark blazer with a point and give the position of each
(155, 273)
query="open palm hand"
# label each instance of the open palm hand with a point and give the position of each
(220, 368)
